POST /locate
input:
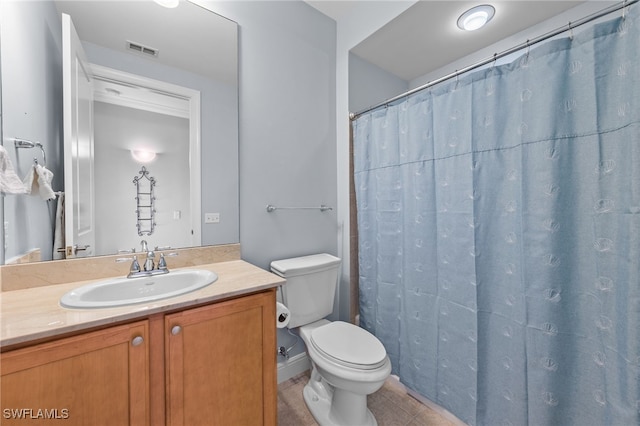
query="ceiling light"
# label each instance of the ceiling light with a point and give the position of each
(168, 3)
(476, 17)
(143, 155)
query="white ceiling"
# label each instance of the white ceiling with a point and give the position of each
(422, 39)
(425, 37)
(188, 37)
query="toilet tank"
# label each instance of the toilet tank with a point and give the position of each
(310, 288)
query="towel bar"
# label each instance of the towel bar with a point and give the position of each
(24, 143)
(322, 208)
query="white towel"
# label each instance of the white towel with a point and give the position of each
(58, 236)
(45, 176)
(10, 183)
(39, 180)
(30, 181)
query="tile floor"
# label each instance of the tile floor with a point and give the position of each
(390, 405)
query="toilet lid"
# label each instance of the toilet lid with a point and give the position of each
(349, 345)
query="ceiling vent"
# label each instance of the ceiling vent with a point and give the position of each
(140, 48)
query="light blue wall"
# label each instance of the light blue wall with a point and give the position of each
(369, 84)
(32, 109)
(287, 128)
(2, 231)
(287, 59)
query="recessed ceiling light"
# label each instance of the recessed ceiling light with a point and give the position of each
(476, 17)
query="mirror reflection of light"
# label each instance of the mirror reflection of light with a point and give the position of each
(143, 156)
(168, 3)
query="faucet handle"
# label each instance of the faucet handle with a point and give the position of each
(135, 266)
(162, 263)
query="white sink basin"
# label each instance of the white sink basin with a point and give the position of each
(129, 291)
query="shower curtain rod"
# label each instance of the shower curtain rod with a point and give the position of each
(622, 5)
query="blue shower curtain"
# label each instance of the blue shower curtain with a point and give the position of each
(499, 234)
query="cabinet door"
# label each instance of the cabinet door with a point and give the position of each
(221, 363)
(97, 378)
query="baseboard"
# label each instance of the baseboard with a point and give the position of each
(395, 381)
(293, 366)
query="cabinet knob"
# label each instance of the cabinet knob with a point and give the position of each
(176, 330)
(137, 341)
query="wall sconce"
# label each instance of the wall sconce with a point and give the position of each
(143, 156)
(476, 17)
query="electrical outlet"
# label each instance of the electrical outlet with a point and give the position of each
(212, 218)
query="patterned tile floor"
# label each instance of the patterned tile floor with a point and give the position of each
(391, 406)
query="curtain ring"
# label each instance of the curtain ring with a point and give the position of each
(456, 86)
(493, 64)
(570, 31)
(624, 9)
(528, 48)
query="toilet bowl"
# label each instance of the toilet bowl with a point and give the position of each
(347, 362)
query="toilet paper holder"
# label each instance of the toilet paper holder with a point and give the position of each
(282, 315)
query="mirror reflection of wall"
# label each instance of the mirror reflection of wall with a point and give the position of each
(116, 129)
(32, 110)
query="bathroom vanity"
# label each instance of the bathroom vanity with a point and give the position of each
(207, 357)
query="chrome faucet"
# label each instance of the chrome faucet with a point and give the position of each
(150, 268)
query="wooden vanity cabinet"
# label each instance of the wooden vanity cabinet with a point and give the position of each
(101, 377)
(210, 365)
(220, 363)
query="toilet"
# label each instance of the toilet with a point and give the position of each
(347, 362)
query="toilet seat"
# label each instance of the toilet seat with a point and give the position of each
(349, 345)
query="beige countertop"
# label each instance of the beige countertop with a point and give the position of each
(35, 313)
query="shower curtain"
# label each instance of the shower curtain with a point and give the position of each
(499, 234)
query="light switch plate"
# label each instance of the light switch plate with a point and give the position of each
(212, 218)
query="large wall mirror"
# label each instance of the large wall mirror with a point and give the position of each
(142, 86)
